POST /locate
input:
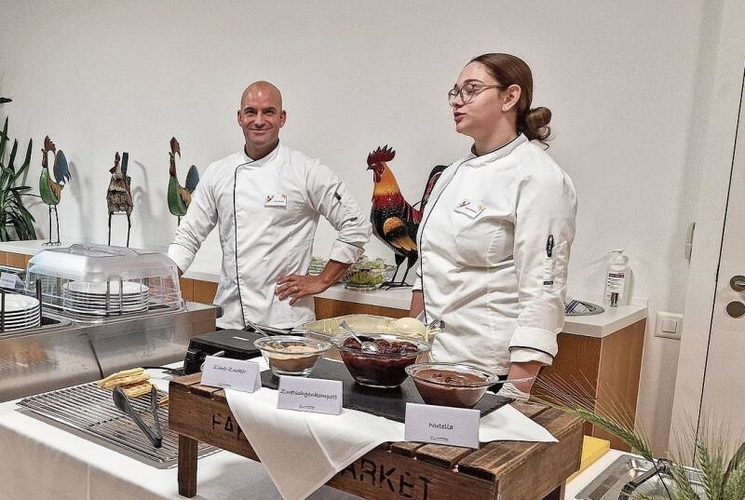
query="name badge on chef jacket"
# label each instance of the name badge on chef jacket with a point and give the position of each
(470, 208)
(275, 200)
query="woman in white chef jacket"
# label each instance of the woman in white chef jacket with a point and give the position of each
(495, 236)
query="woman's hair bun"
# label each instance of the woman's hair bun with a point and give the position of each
(536, 123)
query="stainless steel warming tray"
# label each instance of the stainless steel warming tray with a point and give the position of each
(90, 410)
(103, 309)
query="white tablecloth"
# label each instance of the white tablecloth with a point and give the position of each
(39, 460)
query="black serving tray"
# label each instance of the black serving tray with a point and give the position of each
(388, 403)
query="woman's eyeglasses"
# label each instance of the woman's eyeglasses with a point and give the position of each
(468, 91)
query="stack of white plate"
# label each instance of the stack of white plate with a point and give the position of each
(104, 299)
(20, 312)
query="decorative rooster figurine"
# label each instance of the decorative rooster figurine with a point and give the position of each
(394, 220)
(119, 196)
(51, 188)
(179, 197)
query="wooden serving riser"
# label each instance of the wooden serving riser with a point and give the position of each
(503, 470)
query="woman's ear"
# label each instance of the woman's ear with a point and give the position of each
(511, 97)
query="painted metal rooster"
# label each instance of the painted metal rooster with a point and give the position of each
(179, 197)
(394, 220)
(119, 195)
(50, 186)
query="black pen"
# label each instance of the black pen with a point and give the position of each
(549, 245)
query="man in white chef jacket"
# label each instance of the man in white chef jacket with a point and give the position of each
(266, 201)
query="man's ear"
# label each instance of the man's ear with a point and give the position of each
(282, 118)
(511, 97)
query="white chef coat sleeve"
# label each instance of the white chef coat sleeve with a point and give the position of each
(417, 287)
(545, 217)
(330, 197)
(196, 225)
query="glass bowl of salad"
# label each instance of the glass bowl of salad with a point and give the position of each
(368, 274)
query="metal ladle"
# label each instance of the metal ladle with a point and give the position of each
(256, 328)
(366, 345)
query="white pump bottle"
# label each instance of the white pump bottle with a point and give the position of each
(617, 279)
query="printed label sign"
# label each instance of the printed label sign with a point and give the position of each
(235, 374)
(310, 394)
(442, 425)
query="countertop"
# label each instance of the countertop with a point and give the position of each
(205, 268)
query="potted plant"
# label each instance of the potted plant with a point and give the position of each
(16, 222)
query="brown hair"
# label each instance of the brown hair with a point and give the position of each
(510, 70)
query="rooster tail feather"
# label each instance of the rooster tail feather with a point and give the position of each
(61, 169)
(192, 179)
(434, 176)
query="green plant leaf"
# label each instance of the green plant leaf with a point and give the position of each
(26, 162)
(13, 213)
(11, 161)
(3, 139)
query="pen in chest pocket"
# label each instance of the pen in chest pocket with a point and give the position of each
(548, 267)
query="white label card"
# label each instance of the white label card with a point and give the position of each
(235, 374)
(10, 281)
(310, 394)
(442, 425)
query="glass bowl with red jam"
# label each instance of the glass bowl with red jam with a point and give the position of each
(385, 367)
(451, 384)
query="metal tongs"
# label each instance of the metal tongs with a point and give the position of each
(122, 402)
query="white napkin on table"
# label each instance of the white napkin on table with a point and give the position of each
(508, 424)
(301, 450)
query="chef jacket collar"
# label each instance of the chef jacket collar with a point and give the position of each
(250, 162)
(479, 160)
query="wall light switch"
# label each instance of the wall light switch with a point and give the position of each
(668, 325)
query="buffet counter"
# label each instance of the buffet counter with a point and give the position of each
(40, 459)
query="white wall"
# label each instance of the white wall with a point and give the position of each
(620, 77)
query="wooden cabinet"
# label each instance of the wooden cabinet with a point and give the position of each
(198, 290)
(328, 308)
(14, 259)
(605, 369)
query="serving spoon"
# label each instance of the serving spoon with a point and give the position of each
(366, 345)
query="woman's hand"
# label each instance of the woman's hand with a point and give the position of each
(524, 370)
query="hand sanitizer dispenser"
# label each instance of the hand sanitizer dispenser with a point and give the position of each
(617, 279)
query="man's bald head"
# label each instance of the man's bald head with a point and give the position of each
(261, 116)
(262, 88)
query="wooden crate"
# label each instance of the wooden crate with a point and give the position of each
(498, 470)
